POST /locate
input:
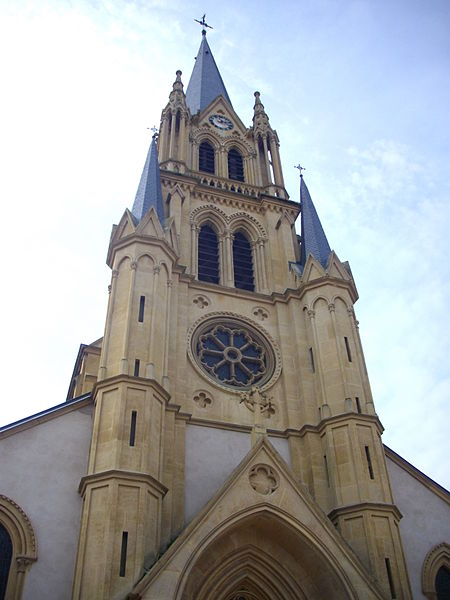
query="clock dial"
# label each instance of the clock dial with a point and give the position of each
(221, 122)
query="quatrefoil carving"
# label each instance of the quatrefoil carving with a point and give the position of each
(263, 479)
(260, 313)
(201, 301)
(202, 399)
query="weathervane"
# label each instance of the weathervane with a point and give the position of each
(203, 23)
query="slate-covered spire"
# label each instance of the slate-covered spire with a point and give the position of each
(313, 238)
(205, 83)
(149, 192)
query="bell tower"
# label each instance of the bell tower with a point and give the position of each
(215, 301)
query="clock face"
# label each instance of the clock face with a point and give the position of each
(221, 122)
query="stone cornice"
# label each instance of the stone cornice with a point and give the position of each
(338, 419)
(351, 509)
(130, 476)
(136, 381)
(327, 279)
(134, 238)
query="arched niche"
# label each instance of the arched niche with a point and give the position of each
(264, 556)
(24, 549)
(437, 560)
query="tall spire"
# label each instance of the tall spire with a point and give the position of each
(313, 238)
(205, 83)
(149, 192)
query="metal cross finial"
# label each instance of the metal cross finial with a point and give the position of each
(155, 131)
(204, 24)
(300, 168)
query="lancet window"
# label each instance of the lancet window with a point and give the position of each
(243, 263)
(235, 165)
(206, 158)
(208, 255)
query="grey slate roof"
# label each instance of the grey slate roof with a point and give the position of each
(205, 83)
(149, 192)
(313, 238)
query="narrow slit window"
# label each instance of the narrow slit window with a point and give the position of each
(369, 462)
(347, 347)
(311, 356)
(358, 405)
(137, 364)
(243, 263)
(325, 462)
(390, 578)
(208, 255)
(133, 427)
(235, 165)
(141, 309)
(123, 554)
(206, 158)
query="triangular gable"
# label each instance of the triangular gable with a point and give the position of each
(125, 227)
(171, 234)
(261, 485)
(220, 106)
(150, 225)
(313, 269)
(335, 268)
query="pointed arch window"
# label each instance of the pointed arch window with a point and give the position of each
(243, 263)
(208, 255)
(206, 158)
(235, 165)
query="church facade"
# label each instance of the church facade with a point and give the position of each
(220, 441)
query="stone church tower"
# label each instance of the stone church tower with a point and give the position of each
(236, 451)
(220, 441)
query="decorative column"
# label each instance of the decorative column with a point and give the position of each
(262, 260)
(165, 378)
(362, 367)
(318, 363)
(256, 265)
(228, 262)
(150, 370)
(194, 145)
(332, 309)
(182, 140)
(274, 153)
(266, 159)
(111, 304)
(172, 136)
(124, 361)
(194, 237)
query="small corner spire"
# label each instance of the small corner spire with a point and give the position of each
(313, 238)
(149, 192)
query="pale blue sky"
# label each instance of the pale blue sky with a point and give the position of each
(359, 93)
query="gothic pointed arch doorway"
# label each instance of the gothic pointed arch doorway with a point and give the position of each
(264, 556)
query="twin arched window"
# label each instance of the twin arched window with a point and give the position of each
(206, 161)
(208, 259)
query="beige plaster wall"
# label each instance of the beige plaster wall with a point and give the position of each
(40, 469)
(212, 454)
(425, 523)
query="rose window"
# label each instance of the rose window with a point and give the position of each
(233, 353)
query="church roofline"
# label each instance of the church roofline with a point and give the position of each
(46, 415)
(429, 483)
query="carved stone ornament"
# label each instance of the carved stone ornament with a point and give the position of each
(263, 479)
(255, 400)
(202, 398)
(260, 313)
(201, 301)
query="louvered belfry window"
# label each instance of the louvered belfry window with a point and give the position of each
(208, 255)
(235, 165)
(243, 263)
(206, 158)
